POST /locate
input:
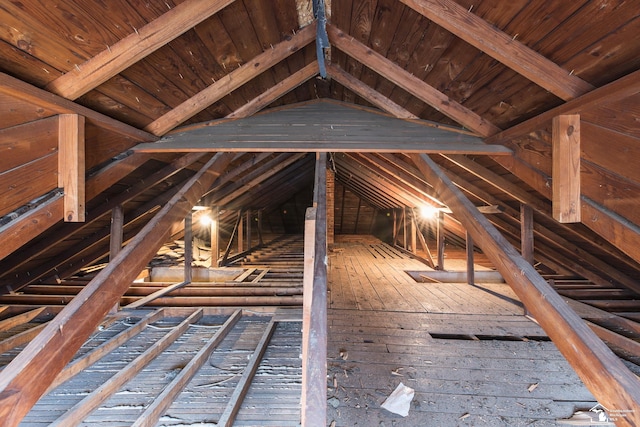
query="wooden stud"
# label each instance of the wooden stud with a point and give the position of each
(470, 260)
(604, 374)
(314, 333)
(215, 236)
(115, 240)
(80, 410)
(161, 403)
(413, 231)
(240, 233)
(71, 170)
(105, 348)
(20, 319)
(46, 355)
(440, 240)
(307, 299)
(188, 247)
(229, 415)
(526, 233)
(566, 168)
(249, 229)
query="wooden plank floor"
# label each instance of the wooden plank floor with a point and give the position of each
(273, 398)
(471, 355)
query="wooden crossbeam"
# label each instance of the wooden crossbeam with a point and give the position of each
(41, 98)
(53, 348)
(71, 169)
(566, 168)
(622, 88)
(501, 46)
(602, 372)
(231, 81)
(410, 83)
(137, 45)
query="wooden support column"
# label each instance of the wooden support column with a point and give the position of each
(440, 240)
(240, 233)
(526, 233)
(249, 237)
(71, 169)
(604, 374)
(404, 228)
(470, 263)
(414, 246)
(566, 168)
(314, 329)
(46, 355)
(115, 242)
(260, 228)
(215, 236)
(188, 247)
(396, 230)
(331, 201)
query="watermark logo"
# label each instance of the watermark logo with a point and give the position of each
(610, 415)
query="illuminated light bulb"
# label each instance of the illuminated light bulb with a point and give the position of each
(428, 211)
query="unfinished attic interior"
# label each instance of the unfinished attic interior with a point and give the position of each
(314, 212)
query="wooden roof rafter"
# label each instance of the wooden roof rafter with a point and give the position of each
(134, 47)
(231, 81)
(410, 83)
(502, 47)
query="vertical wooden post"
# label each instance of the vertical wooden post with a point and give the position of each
(240, 233)
(115, 240)
(215, 237)
(71, 165)
(404, 228)
(470, 262)
(526, 233)
(307, 293)
(260, 228)
(188, 247)
(330, 206)
(526, 239)
(249, 229)
(395, 227)
(414, 232)
(566, 168)
(314, 335)
(440, 239)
